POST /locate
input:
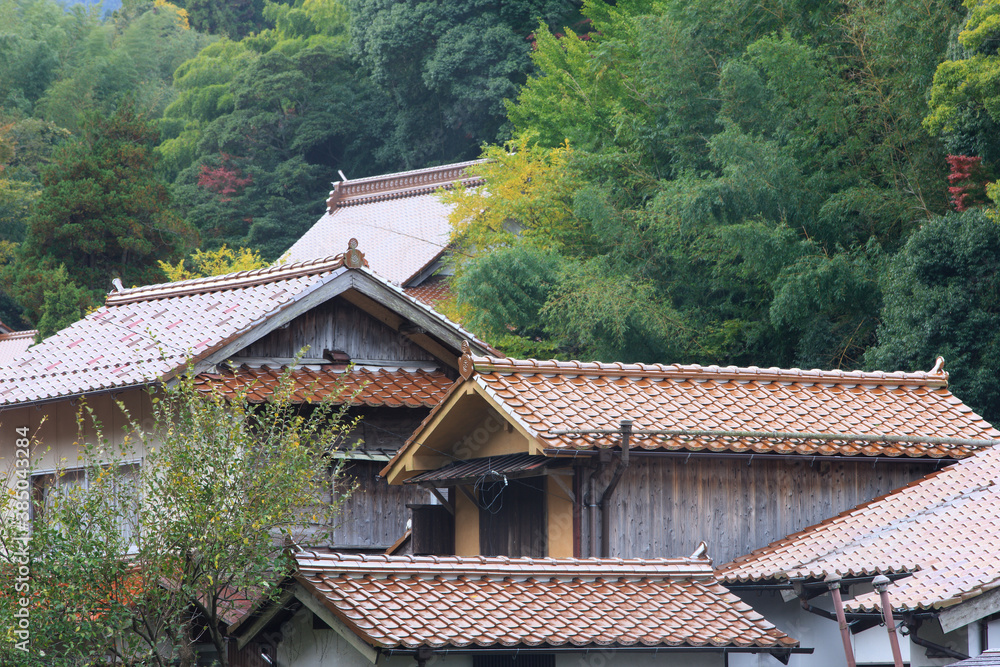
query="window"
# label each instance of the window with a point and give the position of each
(46, 488)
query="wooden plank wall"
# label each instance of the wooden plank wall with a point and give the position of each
(337, 325)
(512, 518)
(664, 507)
(376, 514)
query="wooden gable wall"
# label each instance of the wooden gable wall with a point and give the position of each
(664, 506)
(337, 325)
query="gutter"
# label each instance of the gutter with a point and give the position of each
(911, 625)
(780, 653)
(939, 462)
(623, 461)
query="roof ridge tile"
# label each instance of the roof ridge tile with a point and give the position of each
(935, 378)
(228, 281)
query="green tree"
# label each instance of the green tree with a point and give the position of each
(214, 263)
(742, 172)
(964, 104)
(941, 299)
(262, 124)
(102, 212)
(117, 574)
(447, 66)
(234, 19)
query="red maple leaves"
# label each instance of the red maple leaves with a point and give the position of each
(224, 180)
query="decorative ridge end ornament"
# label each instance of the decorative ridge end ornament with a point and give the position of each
(354, 258)
(466, 366)
(939, 368)
(335, 195)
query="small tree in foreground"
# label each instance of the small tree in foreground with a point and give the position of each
(132, 565)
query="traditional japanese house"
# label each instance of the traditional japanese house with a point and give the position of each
(354, 611)
(936, 538)
(571, 459)
(395, 356)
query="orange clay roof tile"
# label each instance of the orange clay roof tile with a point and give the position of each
(943, 528)
(370, 386)
(449, 601)
(550, 396)
(432, 291)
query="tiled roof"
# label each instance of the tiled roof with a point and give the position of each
(448, 601)
(371, 386)
(549, 396)
(432, 291)
(397, 218)
(945, 527)
(148, 333)
(988, 658)
(14, 344)
(476, 469)
(141, 334)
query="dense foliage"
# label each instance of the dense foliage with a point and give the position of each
(672, 180)
(101, 214)
(740, 183)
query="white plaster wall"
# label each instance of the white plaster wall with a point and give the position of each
(53, 427)
(302, 646)
(811, 631)
(871, 647)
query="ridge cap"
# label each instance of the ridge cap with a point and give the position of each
(226, 281)
(398, 184)
(519, 566)
(936, 377)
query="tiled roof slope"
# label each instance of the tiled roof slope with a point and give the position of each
(141, 334)
(397, 218)
(448, 601)
(432, 291)
(14, 344)
(549, 396)
(371, 386)
(988, 658)
(945, 527)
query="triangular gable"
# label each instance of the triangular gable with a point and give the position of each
(149, 334)
(462, 427)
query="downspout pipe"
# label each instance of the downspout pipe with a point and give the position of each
(913, 625)
(626, 433)
(881, 584)
(594, 549)
(589, 507)
(833, 584)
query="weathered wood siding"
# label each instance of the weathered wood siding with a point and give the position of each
(664, 507)
(337, 325)
(512, 518)
(375, 515)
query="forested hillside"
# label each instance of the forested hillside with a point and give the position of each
(776, 182)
